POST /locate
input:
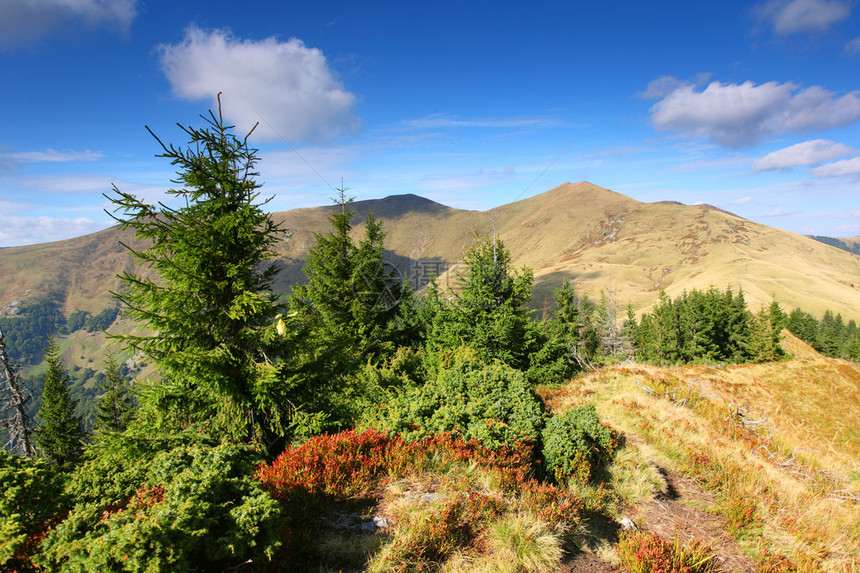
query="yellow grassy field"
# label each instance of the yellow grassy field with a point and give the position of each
(779, 445)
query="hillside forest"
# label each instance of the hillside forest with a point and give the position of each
(272, 421)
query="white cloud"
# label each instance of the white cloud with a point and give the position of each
(17, 230)
(86, 187)
(853, 47)
(22, 22)
(53, 156)
(803, 16)
(285, 86)
(709, 164)
(848, 231)
(779, 213)
(743, 200)
(68, 184)
(735, 115)
(806, 153)
(661, 87)
(14, 206)
(664, 85)
(838, 168)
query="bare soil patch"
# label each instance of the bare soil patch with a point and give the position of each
(585, 563)
(681, 511)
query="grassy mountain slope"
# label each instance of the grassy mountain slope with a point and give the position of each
(597, 237)
(79, 271)
(582, 232)
(769, 444)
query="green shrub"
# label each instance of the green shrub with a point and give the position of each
(575, 443)
(31, 495)
(199, 508)
(363, 390)
(551, 364)
(112, 470)
(492, 403)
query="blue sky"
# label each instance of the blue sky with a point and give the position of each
(752, 107)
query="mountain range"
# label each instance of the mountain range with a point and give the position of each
(594, 237)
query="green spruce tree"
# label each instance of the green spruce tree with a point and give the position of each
(353, 311)
(764, 335)
(209, 311)
(667, 339)
(60, 434)
(739, 321)
(115, 406)
(490, 308)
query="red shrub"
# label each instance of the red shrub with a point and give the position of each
(348, 463)
(339, 464)
(648, 553)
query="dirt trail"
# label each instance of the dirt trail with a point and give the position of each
(677, 511)
(585, 563)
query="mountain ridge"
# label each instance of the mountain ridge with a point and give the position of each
(581, 232)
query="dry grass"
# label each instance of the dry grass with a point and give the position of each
(635, 476)
(457, 521)
(774, 441)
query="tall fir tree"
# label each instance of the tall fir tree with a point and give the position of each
(803, 325)
(738, 325)
(830, 334)
(567, 311)
(490, 310)
(566, 324)
(764, 334)
(115, 407)
(571, 326)
(353, 310)
(209, 311)
(352, 299)
(667, 341)
(60, 434)
(614, 338)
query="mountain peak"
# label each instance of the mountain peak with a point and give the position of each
(576, 231)
(394, 206)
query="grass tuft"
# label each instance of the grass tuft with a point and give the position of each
(522, 542)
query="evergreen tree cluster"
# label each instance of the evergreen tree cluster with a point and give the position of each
(83, 320)
(831, 335)
(489, 312)
(27, 331)
(353, 310)
(708, 326)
